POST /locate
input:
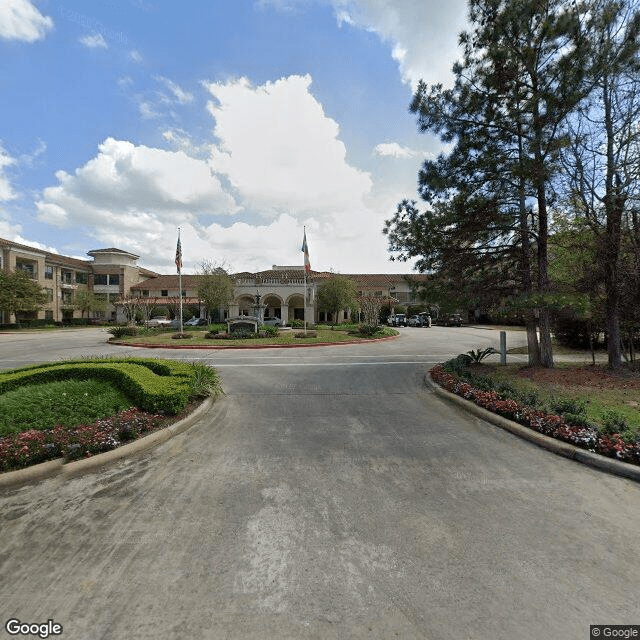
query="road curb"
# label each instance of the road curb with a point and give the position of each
(29, 474)
(58, 467)
(558, 447)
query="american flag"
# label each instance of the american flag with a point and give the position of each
(179, 254)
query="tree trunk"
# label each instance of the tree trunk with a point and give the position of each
(546, 347)
(533, 347)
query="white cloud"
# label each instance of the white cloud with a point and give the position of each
(147, 110)
(179, 94)
(135, 56)
(277, 164)
(395, 150)
(422, 34)
(6, 191)
(96, 41)
(133, 189)
(280, 151)
(20, 20)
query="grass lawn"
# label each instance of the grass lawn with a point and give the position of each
(67, 403)
(283, 338)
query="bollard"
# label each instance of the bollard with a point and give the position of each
(503, 347)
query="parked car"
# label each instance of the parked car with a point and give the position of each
(426, 319)
(397, 320)
(453, 320)
(272, 322)
(159, 321)
(196, 322)
(414, 321)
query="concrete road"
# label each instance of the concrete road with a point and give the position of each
(327, 495)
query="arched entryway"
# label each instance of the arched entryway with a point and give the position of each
(272, 306)
(296, 307)
(246, 305)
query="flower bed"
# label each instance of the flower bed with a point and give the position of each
(35, 446)
(555, 426)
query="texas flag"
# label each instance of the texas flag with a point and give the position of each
(305, 250)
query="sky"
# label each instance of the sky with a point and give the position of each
(241, 122)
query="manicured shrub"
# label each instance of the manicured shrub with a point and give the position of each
(120, 332)
(166, 391)
(368, 330)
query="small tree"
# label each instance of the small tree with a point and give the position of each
(88, 301)
(336, 293)
(215, 287)
(19, 292)
(370, 307)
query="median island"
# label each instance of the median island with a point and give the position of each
(217, 336)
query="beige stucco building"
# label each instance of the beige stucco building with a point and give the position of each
(109, 275)
(113, 275)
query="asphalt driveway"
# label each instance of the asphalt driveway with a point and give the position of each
(327, 495)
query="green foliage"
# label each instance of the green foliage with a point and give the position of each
(270, 331)
(153, 385)
(478, 355)
(458, 364)
(337, 293)
(205, 381)
(66, 403)
(612, 422)
(297, 324)
(369, 330)
(19, 292)
(119, 332)
(215, 287)
(88, 301)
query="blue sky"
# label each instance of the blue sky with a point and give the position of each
(239, 121)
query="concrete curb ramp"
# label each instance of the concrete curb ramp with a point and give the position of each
(565, 449)
(59, 468)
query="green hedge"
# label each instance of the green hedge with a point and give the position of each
(153, 385)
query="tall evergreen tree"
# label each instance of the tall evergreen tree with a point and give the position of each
(523, 72)
(602, 161)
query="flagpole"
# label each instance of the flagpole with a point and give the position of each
(304, 307)
(180, 280)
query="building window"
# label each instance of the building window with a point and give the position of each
(67, 297)
(145, 293)
(66, 277)
(164, 293)
(48, 272)
(82, 278)
(100, 278)
(114, 278)
(28, 267)
(48, 314)
(184, 293)
(49, 294)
